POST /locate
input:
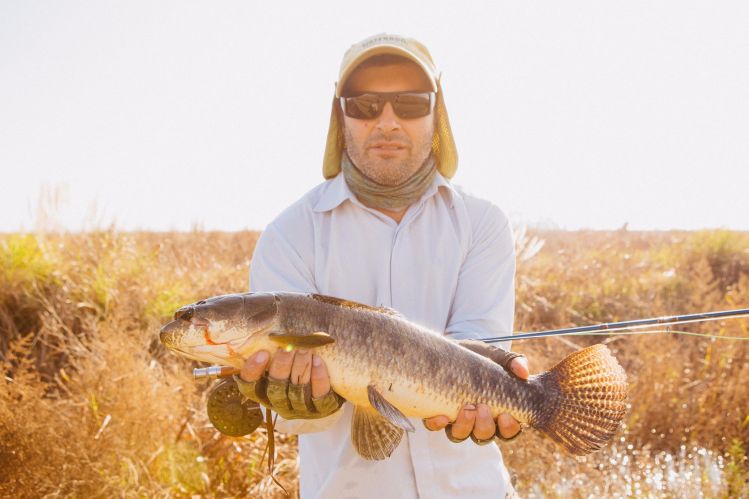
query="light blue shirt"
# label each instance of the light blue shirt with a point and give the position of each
(448, 265)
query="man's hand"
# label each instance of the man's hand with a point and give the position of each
(476, 420)
(297, 385)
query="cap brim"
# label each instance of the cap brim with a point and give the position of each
(382, 50)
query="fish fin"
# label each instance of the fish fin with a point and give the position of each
(586, 395)
(304, 340)
(374, 437)
(391, 311)
(388, 410)
(352, 304)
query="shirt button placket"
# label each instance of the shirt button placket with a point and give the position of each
(418, 443)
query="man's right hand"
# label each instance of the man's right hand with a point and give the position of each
(297, 385)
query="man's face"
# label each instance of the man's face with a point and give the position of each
(388, 149)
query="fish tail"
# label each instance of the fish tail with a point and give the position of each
(585, 399)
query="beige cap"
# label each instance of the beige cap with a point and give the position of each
(443, 145)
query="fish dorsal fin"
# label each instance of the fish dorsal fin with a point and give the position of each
(356, 305)
(387, 410)
(391, 311)
(302, 340)
(374, 437)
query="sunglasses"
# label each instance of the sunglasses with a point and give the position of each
(407, 105)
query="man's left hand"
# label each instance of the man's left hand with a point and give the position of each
(476, 420)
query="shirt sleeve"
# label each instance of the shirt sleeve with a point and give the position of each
(277, 265)
(484, 303)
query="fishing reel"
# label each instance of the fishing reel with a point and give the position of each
(230, 412)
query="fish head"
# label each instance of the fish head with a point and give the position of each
(218, 329)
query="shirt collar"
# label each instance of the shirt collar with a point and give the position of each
(443, 185)
(337, 191)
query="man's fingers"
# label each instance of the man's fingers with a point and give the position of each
(254, 367)
(302, 367)
(519, 367)
(436, 423)
(280, 367)
(508, 426)
(300, 398)
(484, 427)
(319, 377)
(463, 425)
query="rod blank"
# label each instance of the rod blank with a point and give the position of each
(619, 326)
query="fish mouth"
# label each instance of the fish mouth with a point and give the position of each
(192, 338)
(173, 333)
(202, 348)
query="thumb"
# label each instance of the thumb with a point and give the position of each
(519, 367)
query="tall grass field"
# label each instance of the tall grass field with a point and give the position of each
(91, 404)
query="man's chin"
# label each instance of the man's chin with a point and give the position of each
(387, 161)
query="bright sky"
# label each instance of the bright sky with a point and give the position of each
(170, 114)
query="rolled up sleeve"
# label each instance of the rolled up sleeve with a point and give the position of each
(279, 264)
(484, 300)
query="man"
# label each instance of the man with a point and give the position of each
(388, 229)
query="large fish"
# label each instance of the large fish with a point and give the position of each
(391, 369)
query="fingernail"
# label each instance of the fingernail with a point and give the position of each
(469, 407)
(504, 419)
(316, 361)
(261, 356)
(483, 410)
(302, 351)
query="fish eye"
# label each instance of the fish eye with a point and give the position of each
(184, 314)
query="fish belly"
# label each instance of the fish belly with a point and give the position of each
(413, 398)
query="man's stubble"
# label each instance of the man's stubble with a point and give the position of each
(390, 172)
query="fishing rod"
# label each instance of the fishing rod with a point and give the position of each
(607, 328)
(611, 327)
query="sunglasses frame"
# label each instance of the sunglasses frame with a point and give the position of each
(390, 97)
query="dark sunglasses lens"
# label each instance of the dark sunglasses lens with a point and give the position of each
(412, 105)
(405, 105)
(364, 107)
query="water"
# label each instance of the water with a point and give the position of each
(622, 470)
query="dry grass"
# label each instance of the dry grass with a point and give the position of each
(91, 404)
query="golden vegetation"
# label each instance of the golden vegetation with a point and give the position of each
(92, 405)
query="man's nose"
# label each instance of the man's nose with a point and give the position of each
(388, 121)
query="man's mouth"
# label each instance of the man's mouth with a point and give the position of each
(388, 146)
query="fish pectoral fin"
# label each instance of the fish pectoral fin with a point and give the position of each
(374, 437)
(302, 340)
(388, 410)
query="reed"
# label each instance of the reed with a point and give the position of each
(92, 405)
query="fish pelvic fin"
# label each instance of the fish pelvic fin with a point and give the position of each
(302, 340)
(374, 437)
(388, 410)
(585, 400)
